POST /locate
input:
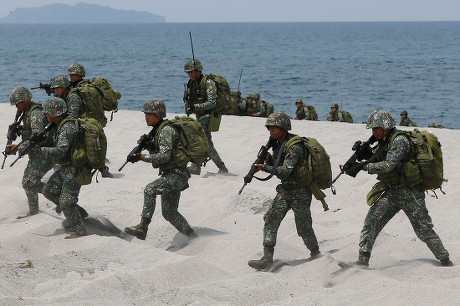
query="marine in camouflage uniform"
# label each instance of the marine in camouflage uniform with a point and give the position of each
(173, 180)
(259, 108)
(396, 195)
(240, 102)
(38, 165)
(302, 112)
(290, 195)
(61, 86)
(405, 121)
(76, 73)
(62, 188)
(334, 113)
(203, 105)
(250, 105)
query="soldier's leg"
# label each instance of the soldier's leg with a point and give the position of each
(301, 200)
(52, 188)
(377, 217)
(214, 155)
(69, 199)
(169, 205)
(413, 203)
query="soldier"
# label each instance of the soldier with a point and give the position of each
(240, 102)
(437, 126)
(61, 188)
(205, 96)
(394, 195)
(76, 73)
(61, 86)
(340, 116)
(259, 108)
(250, 105)
(289, 193)
(33, 122)
(303, 112)
(405, 121)
(173, 179)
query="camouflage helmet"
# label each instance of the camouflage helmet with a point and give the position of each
(256, 95)
(236, 93)
(403, 112)
(59, 81)
(335, 105)
(77, 69)
(55, 107)
(155, 106)
(380, 118)
(279, 119)
(299, 100)
(20, 94)
(192, 65)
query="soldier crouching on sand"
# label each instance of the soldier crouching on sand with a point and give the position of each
(173, 180)
(394, 195)
(290, 195)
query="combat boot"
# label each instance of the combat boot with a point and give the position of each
(315, 252)
(222, 169)
(363, 259)
(106, 173)
(140, 230)
(191, 234)
(447, 263)
(33, 210)
(194, 169)
(265, 262)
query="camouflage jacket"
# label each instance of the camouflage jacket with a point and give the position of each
(333, 116)
(303, 113)
(34, 122)
(290, 159)
(162, 149)
(74, 104)
(407, 122)
(259, 109)
(65, 142)
(203, 95)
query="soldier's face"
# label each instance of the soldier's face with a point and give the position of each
(194, 75)
(151, 119)
(298, 104)
(403, 116)
(59, 91)
(75, 77)
(277, 132)
(378, 133)
(22, 106)
(333, 109)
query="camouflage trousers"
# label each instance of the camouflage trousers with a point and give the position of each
(297, 199)
(412, 202)
(169, 186)
(62, 190)
(36, 169)
(204, 121)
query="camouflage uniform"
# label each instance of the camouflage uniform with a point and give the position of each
(290, 195)
(62, 188)
(396, 196)
(38, 165)
(259, 109)
(407, 122)
(72, 99)
(173, 180)
(202, 107)
(302, 112)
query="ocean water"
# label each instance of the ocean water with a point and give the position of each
(361, 66)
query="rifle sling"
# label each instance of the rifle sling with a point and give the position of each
(275, 166)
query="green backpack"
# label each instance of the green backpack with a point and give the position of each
(315, 170)
(345, 116)
(312, 111)
(91, 149)
(269, 109)
(224, 95)
(109, 96)
(194, 142)
(426, 166)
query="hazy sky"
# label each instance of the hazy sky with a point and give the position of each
(273, 10)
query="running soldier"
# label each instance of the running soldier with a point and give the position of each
(202, 102)
(173, 180)
(289, 193)
(38, 165)
(394, 195)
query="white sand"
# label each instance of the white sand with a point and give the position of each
(104, 269)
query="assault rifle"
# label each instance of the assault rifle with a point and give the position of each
(34, 140)
(46, 87)
(14, 130)
(261, 156)
(363, 151)
(141, 145)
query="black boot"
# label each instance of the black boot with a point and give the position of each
(363, 259)
(265, 262)
(315, 252)
(447, 263)
(140, 230)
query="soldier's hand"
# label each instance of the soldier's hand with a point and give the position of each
(134, 158)
(353, 168)
(13, 148)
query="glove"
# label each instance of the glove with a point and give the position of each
(134, 158)
(353, 168)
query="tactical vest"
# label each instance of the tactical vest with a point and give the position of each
(27, 126)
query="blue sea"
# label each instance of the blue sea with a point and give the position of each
(361, 66)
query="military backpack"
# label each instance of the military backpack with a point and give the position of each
(426, 165)
(269, 109)
(345, 116)
(312, 111)
(193, 145)
(224, 95)
(315, 168)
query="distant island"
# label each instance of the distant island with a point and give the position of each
(80, 13)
